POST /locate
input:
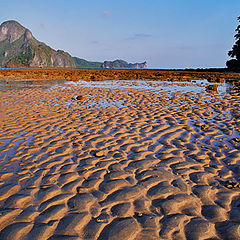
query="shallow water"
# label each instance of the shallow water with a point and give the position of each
(196, 86)
(162, 88)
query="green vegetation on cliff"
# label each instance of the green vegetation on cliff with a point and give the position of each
(21, 60)
(82, 63)
(9, 51)
(19, 48)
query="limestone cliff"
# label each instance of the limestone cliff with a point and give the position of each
(118, 64)
(19, 48)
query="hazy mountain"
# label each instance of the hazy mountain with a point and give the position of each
(19, 48)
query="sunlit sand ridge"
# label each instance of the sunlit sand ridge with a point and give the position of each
(128, 163)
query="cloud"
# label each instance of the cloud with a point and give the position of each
(139, 36)
(106, 13)
(94, 42)
(142, 35)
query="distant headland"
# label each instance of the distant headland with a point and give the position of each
(19, 48)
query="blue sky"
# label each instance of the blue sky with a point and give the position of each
(165, 33)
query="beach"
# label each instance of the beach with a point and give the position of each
(119, 160)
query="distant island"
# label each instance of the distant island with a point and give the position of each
(19, 48)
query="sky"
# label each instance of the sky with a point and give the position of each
(165, 33)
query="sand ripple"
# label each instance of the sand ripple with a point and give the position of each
(169, 170)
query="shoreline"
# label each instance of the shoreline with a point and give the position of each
(112, 74)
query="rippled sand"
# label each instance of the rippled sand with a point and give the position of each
(169, 170)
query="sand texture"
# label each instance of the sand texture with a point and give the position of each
(97, 163)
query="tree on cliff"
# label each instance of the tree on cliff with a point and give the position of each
(235, 52)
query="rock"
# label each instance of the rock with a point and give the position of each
(99, 154)
(80, 97)
(123, 64)
(212, 88)
(29, 52)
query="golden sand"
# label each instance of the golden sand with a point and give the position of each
(118, 164)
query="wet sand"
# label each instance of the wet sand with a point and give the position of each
(119, 163)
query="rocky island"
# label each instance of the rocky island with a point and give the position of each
(118, 64)
(19, 48)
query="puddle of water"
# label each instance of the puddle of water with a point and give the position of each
(162, 88)
(196, 86)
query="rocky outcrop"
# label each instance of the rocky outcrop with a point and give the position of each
(118, 64)
(19, 48)
(11, 31)
(124, 74)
